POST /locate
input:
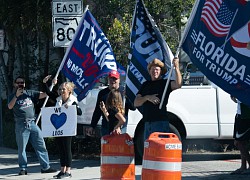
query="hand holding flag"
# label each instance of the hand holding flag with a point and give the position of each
(217, 43)
(146, 43)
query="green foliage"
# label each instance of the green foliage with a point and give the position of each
(28, 29)
(117, 35)
(168, 15)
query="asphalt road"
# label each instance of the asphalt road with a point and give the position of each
(195, 165)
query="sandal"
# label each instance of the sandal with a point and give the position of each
(237, 171)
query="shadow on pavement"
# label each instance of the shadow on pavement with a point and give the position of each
(218, 177)
(186, 157)
(208, 156)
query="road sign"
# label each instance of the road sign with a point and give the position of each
(67, 8)
(64, 29)
(66, 17)
(1, 39)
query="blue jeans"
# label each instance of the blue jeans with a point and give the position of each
(32, 133)
(156, 126)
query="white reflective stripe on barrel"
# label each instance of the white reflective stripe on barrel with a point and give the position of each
(162, 166)
(117, 160)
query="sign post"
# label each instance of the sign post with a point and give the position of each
(66, 17)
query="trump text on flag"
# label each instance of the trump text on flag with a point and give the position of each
(214, 58)
(217, 42)
(89, 67)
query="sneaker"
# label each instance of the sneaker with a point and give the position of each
(50, 170)
(58, 176)
(66, 175)
(22, 172)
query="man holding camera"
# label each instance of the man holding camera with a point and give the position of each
(23, 102)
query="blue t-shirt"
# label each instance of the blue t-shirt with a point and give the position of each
(24, 109)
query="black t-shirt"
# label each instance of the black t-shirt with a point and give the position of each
(152, 112)
(102, 96)
(113, 121)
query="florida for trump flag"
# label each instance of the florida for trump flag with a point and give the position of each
(146, 43)
(218, 43)
(89, 56)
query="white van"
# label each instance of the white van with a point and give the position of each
(198, 110)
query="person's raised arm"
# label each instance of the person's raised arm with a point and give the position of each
(104, 110)
(178, 81)
(42, 95)
(12, 102)
(50, 93)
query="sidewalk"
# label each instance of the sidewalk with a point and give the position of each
(82, 169)
(194, 167)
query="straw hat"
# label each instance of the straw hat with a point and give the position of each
(157, 62)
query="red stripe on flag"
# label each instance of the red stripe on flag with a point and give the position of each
(77, 53)
(249, 29)
(243, 2)
(237, 44)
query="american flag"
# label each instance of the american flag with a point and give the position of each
(146, 43)
(217, 17)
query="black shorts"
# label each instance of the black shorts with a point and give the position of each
(241, 128)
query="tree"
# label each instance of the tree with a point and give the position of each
(27, 24)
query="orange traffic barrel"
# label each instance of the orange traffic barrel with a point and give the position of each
(117, 157)
(162, 157)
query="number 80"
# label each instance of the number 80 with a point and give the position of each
(61, 34)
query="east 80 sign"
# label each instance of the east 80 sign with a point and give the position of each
(64, 29)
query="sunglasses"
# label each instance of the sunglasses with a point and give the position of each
(19, 82)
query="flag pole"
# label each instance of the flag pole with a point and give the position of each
(168, 80)
(171, 69)
(129, 56)
(178, 49)
(62, 63)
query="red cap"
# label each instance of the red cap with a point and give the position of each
(114, 74)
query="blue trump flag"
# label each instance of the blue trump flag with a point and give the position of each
(146, 43)
(218, 43)
(89, 56)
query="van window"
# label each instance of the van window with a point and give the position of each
(193, 76)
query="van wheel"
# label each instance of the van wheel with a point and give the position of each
(174, 130)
